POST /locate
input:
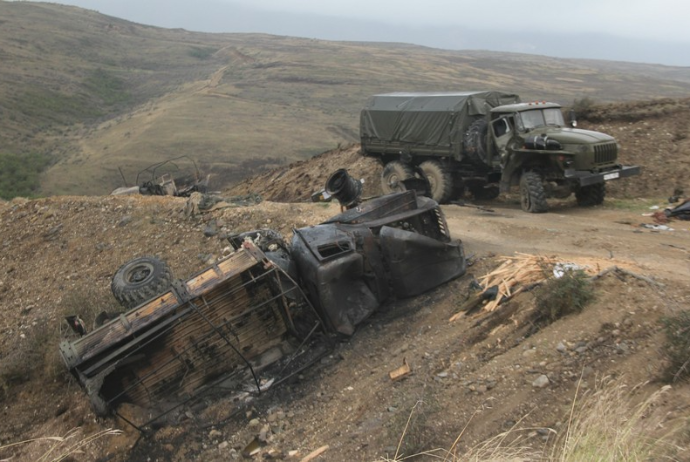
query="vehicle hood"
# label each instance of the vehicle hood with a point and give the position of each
(575, 135)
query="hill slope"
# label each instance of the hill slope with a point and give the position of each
(98, 93)
(475, 375)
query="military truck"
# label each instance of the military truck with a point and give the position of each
(487, 142)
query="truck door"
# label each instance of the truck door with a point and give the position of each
(502, 130)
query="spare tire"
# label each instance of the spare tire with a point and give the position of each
(475, 141)
(140, 280)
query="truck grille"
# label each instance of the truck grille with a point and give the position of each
(605, 153)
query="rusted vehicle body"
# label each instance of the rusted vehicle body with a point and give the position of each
(240, 323)
(215, 329)
(178, 177)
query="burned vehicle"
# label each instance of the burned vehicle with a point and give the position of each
(264, 312)
(178, 177)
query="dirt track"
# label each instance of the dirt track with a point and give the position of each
(601, 236)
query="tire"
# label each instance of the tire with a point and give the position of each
(532, 195)
(588, 196)
(440, 180)
(393, 175)
(482, 193)
(474, 142)
(140, 280)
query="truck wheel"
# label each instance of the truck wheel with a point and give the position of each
(140, 280)
(588, 196)
(475, 141)
(393, 175)
(440, 180)
(532, 195)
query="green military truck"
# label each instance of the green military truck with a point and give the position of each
(487, 142)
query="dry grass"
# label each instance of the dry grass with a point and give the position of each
(59, 447)
(613, 423)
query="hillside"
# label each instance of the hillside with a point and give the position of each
(470, 376)
(60, 253)
(96, 93)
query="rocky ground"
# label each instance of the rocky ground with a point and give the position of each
(475, 376)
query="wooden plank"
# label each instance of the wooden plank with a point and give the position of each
(401, 372)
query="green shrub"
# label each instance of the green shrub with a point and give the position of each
(559, 297)
(583, 107)
(20, 174)
(108, 87)
(201, 52)
(677, 346)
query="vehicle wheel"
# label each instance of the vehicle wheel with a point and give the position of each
(475, 141)
(140, 280)
(588, 196)
(532, 195)
(393, 175)
(482, 193)
(440, 180)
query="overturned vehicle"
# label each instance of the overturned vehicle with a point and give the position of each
(263, 313)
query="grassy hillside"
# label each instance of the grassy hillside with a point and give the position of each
(97, 93)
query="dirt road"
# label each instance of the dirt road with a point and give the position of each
(602, 236)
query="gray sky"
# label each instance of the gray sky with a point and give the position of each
(652, 31)
(655, 19)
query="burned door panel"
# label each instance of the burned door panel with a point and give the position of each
(419, 263)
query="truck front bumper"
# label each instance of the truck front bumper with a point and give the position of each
(585, 178)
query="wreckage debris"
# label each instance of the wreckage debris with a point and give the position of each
(524, 272)
(174, 181)
(264, 307)
(401, 372)
(679, 212)
(515, 275)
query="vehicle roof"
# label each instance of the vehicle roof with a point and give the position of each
(438, 101)
(525, 106)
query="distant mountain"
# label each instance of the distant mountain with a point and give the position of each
(103, 97)
(216, 16)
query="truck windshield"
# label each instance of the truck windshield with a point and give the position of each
(541, 118)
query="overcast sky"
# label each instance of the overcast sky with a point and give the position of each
(653, 31)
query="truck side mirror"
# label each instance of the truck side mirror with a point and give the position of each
(572, 118)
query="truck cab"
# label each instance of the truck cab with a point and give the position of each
(534, 139)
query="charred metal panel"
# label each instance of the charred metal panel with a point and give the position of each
(397, 245)
(335, 282)
(381, 207)
(419, 263)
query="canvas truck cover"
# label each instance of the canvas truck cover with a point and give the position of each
(430, 119)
